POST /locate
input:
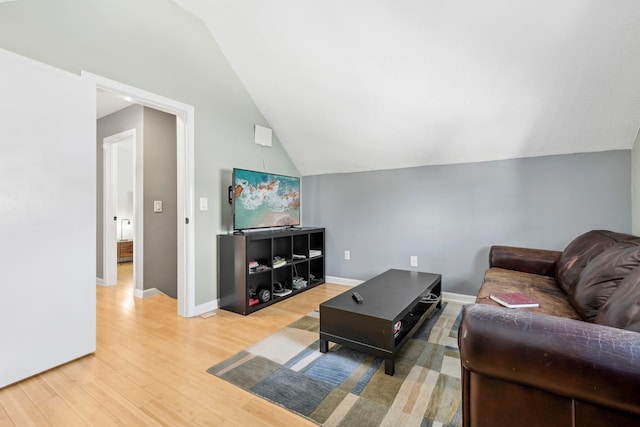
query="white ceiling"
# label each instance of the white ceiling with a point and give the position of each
(351, 85)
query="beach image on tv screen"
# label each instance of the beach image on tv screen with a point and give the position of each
(265, 200)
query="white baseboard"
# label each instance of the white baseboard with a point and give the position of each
(206, 307)
(197, 311)
(215, 304)
(458, 298)
(100, 282)
(446, 296)
(147, 293)
(342, 281)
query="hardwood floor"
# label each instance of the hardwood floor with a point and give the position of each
(150, 367)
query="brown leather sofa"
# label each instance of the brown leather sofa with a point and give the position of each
(573, 361)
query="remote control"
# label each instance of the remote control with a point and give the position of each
(357, 297)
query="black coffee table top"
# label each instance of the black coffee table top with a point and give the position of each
(387, 294)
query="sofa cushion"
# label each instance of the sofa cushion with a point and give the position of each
(622, 309)
(601, 277)
(545, 290)
(583, 249)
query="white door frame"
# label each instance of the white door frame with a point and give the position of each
(109, 235)
(185, 143)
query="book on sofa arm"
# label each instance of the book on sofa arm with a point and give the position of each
(514, 300)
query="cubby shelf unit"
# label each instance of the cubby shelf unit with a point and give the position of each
(247, 265)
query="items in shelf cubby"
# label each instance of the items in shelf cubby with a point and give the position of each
(279, 262)
(299, 283)
(300, 276)
(281, 289)
(260, 296)
(282, 275)
(281, 250)
(316, 270)
(256, 267)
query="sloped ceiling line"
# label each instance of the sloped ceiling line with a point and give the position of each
(365, 85)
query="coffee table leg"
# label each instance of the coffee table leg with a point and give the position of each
(389, 367)
(324, 346)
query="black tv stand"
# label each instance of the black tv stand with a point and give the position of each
(253, 262)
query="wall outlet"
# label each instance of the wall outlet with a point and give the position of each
(414, 261)
(347, 255)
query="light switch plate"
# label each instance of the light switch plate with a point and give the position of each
(157, 206)
(204, 204)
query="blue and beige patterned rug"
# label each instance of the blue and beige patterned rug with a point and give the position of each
(347, 388)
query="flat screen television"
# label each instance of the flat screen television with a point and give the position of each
(264, 200)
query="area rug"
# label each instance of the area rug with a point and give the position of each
(344, 387)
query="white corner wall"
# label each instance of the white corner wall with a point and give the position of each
(47, 217)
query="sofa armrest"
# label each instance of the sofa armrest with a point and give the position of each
(581, 360)
(535, 261)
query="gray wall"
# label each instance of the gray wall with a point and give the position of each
(157, 46)
(160, 177)
(450, 215)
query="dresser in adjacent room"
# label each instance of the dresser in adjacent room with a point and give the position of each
(125, 250)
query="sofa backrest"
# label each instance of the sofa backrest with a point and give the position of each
(583, 249)
(601, 277)
(591, 269)
(622, 308)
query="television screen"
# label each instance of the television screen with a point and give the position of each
(263, 199)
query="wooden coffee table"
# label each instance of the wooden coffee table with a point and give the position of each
(390, 313)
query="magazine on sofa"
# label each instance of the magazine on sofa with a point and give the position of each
(514, 300)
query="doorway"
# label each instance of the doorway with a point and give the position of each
(185, 141)
(120, 199)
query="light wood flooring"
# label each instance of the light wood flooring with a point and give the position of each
(150, 367)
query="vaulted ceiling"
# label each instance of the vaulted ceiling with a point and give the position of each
(352, 85)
